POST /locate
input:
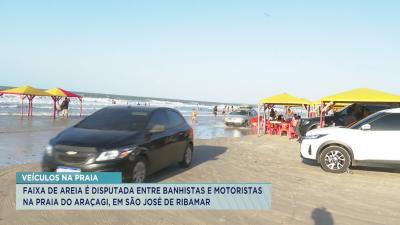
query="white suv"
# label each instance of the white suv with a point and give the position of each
(373, 140)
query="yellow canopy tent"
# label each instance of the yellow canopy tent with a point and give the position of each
(26, 92)
(57, 93)
(338, 106)
(360, 95)
(284, 99)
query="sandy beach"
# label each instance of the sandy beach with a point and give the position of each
(302, 193)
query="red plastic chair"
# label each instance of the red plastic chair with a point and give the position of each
(275, 129)
(284, 127)
(268, 127)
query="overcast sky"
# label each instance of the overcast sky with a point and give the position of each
(232, 51)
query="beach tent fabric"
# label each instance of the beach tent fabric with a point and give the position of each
(362, 95)
(58, 93)
(284, 99)
(281, 99)
(62, 93)
(26, 92)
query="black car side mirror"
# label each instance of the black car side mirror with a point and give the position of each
(158, 128)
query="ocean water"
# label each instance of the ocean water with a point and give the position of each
(42, 106)
(23, 139)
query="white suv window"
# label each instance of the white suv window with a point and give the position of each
(390, 122)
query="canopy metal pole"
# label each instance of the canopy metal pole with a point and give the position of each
(80, 114)
(54, 106)
(321, 115)
(258, 119)
(22, 106)
(265, 120)
(29, 107)
(30, 104)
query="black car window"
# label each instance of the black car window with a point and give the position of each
(347, 110)
(367, 120)
(240, 112)
(174, 118)
(388, 122)
(370, 109)
(159, 117)
(124, 119)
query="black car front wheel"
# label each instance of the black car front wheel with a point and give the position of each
(139, 170)
(335, 159)
(187, 157)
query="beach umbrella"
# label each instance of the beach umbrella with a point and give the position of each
(26, 92)
(58, 93)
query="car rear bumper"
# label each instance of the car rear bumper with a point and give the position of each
(234, 124)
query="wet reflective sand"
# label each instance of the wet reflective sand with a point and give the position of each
(23, 140)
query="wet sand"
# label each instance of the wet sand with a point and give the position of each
(23, 140)
(302, 193)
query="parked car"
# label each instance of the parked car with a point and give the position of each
(341, 118)
(240, 118)
(136, 141)
(373, 141)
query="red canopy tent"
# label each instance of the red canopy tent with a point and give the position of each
(26, 92)
(58, 93)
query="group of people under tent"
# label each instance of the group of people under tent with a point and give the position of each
(288, 116)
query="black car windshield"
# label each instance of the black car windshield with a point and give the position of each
(122, 119)
(240, 112)
(366, 120)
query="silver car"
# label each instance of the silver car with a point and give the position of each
(240, 118)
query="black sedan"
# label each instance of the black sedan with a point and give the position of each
(136, 141)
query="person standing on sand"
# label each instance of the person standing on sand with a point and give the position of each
(194, 115)
(289, 113)
(272, 114)
(64, 107)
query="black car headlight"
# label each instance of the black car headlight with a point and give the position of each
(314, 136)
(115, 154)
(305, 122)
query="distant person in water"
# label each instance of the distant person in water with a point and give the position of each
(215, 111)
(194, 115)
(224, 111)
(113, 102)
(64, 107)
